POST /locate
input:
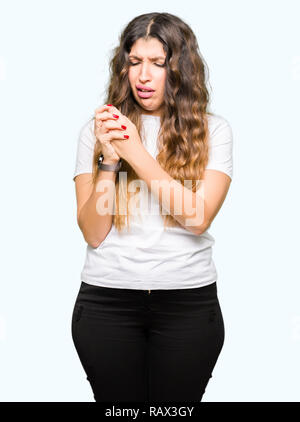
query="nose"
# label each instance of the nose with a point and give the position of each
(145, 73)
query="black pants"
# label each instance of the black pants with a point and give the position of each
(147, 347)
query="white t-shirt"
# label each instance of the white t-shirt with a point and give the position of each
(147, 257)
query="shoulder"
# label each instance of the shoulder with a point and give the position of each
(219, 128)
(87, 130)
(220, 145)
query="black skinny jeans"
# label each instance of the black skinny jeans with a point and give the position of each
(147, 347)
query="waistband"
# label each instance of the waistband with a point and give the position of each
(90, 288)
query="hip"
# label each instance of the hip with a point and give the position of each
(102, 300)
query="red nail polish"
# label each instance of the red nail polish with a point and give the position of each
(116, 116)
(126, 136)
(109, 104)
(123, 127)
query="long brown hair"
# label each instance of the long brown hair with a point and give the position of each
(183, 135)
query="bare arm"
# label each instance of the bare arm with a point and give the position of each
(194, 212)
(94, 226)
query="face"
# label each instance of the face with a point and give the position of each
(148, 69)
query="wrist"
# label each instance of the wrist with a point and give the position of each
(110, 162)
(140, 154)
(109, 165)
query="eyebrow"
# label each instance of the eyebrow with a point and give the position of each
(151, 58)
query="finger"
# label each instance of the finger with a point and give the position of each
(98, 124)
(113, 125)
(105, 123)
(106, 115)
(113, 109)
(115, 135)
(101, 109)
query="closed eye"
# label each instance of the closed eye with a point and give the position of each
(159, 65)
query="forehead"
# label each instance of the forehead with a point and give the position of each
(152, 48)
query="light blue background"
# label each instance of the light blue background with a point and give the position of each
(53, 73)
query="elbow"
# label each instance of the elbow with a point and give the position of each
(93, 243)
(199, 230)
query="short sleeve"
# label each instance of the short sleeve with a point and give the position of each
(85, 149)
(220, 145)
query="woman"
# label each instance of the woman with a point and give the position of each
(147, 323)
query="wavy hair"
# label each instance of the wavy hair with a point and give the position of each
(183, 135)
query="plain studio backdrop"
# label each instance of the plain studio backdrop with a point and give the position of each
(54, 59)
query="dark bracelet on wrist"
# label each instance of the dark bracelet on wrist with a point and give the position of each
(108, 167)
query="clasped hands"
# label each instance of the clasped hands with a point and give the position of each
(110, 127)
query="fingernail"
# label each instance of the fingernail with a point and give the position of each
(116, 116)
(109, 104)
(126, 136)
(123, 127)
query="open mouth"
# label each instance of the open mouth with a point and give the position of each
(145, 90)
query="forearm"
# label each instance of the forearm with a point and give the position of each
(95, 219)
(184, 205)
